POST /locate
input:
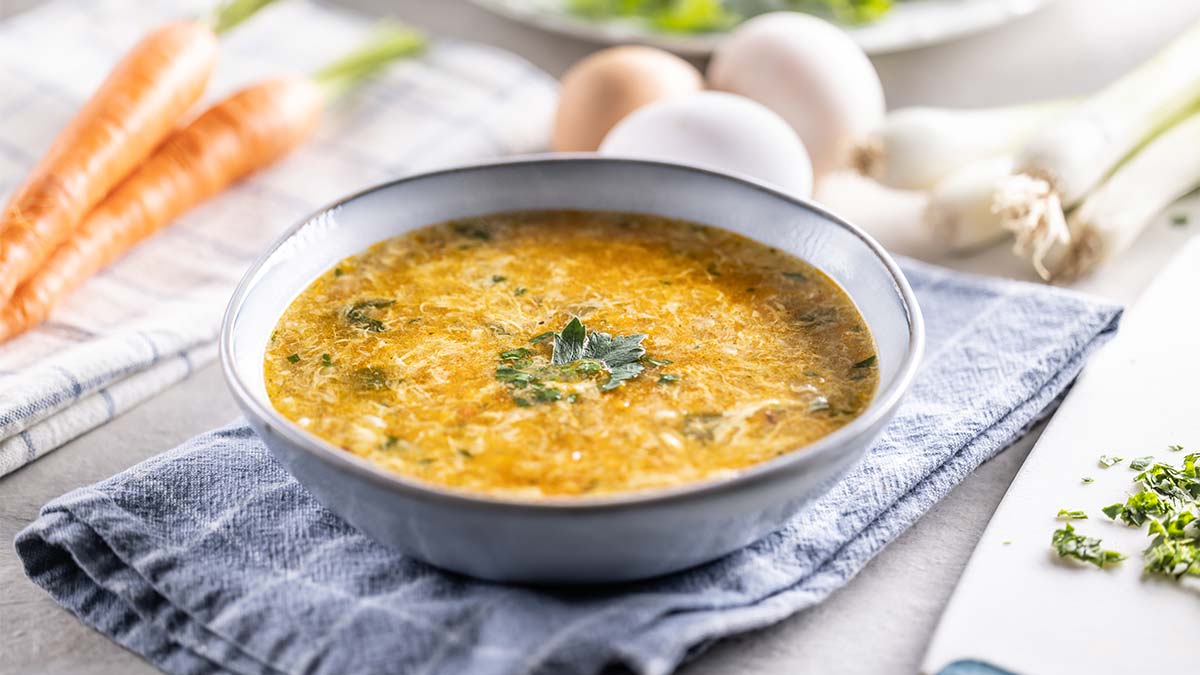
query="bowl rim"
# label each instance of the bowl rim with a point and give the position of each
(884, 403)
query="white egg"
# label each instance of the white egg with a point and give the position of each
(719, 131)
(811, 73)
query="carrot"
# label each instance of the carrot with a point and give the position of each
(239, 135)
(134, 109)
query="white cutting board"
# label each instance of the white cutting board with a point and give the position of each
(1017, 605)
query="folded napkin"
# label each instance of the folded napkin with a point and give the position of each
(147, 321)
(211, 557)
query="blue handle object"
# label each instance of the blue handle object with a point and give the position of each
(973, 668)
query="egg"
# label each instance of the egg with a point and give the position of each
(602, 89)
(719, 131)
(811, 73)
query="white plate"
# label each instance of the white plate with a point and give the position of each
(910, 24)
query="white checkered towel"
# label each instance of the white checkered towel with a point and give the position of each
(147, 321)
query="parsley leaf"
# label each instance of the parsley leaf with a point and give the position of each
(358, 314)
(1067, 544)
(1109, 460)
(1072, 514)
(617, 354)
(1141, 463)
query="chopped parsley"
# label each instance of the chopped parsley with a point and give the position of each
(795, 276)
(337, 272)
(1109, 460)
(1072, 514)
(326, 360)
(1141, 463)
(866, 363)
(1067, 544)
(293, 358)
(358, 315)
(656, 362)
(521, 290)
(1168, 503)
(498, 278)
(371, 378)
(667, 378)
(1087, 479)
(1179, 219)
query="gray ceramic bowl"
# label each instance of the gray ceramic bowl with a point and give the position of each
(580, 540)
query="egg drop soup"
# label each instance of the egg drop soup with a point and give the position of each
(565, 353)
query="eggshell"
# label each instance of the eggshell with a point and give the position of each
(600, 90)
(811, 73)
(719, 131)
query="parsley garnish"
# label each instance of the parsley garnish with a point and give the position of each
(667, 378)
(1088, 479)
(498, 278)
(619, 355)
(293, 358)
(326, 360)
(1070, 545)
(521, 290)
(866, 363)
(1108, 460)
(576, 354)
(1179, 219)
(795, 276)
(1072, 514)
(358, 315)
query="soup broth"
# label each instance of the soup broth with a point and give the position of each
(570, 353)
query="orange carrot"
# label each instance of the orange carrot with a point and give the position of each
(237, 136)
(135, 108)
(131, 113)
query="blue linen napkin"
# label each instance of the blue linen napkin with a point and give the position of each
(211, 558)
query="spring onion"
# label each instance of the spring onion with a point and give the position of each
(1071, 156)
(959, 212)
(1114, 214)
(915, 148)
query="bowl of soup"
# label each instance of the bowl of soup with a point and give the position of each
(570, 369)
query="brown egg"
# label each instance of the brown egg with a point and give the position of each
(600, 90)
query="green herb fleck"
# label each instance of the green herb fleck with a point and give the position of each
(337, 272)
(656, 362)
(866, 363)
(1087, 479)
(544, 394)
(1141, 463)
(667, 378)
(1072, 514)
(1179, 219)
(1175, 447)
(465, 453)
(521, 402)
(371, 378)
(1109, 460)
(518, 354)
(795, 276)
(521, 290)
(573, 398)
(293, 358)
(538, 339)
(498, 278)
(326, 360)
(1067, 544)
(358, 315)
